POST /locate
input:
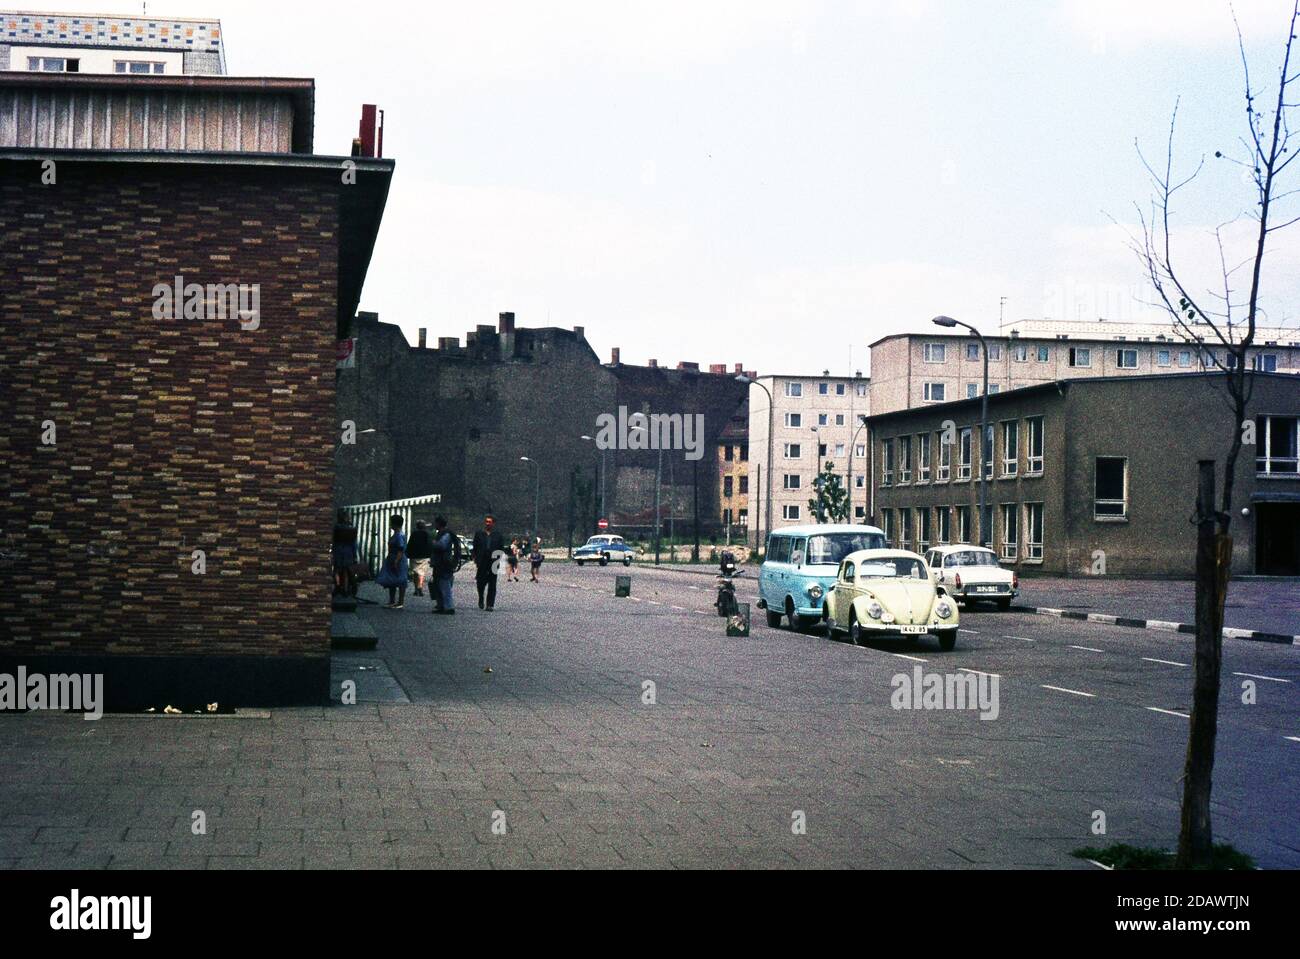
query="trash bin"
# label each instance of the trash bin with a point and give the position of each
(622, 585)
(738, 624)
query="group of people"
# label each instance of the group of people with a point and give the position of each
(433, 557)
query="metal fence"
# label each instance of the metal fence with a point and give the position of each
(372, 519)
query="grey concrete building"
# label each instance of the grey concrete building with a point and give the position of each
(1093, 474)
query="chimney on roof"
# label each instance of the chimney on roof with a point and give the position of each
(613, 356)
(689, 367)
(424, 333)
(580, 332)
(718, 368)
(505, 322)
(653, 364)
(740, 367)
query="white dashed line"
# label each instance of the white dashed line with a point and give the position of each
(1294, 739)
(1023, 639)
(969, 630)
(1168, 712)
(915, 659)
(1088, 649)
(1167, 662)
(1072, 692)
(680, 609)
(1271, 679)
(966, 669)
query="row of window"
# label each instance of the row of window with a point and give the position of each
(1126, 358)
(731, 453)
(794, 388)
(919, 528)
(73, 65)
(728, 486)
(794, 451)
(793, 512)
(897, 461)
(794, 421)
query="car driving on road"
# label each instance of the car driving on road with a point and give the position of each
(889, 592)
(602, 549)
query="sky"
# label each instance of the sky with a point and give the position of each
(776, 184)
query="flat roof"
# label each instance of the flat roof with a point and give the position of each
(1173, 338)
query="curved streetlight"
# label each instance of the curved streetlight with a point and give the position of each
(767, 510)
(853, 445)
(601, 478)
(537, 492)
(659, 481)
(948, 321)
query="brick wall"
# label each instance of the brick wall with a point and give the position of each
(172, 435)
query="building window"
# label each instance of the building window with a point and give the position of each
(995, 351)
(963, 524)
(744, 452)
(1110, 487)
(1034, 465)
(936, 352)
(726, 486)
(923, 458)
(922, 528)
(904, 528)
(887, 462)
(995, 388)
(887, 525)
(964, 453)
(794, 389)
(821, 449)
(1126, 359)
(792, 451)
(986, 455)
(839, 389)
(821, 419)
(794, 420)
(790, 511)
(1163, 357)
(1010, 447)
(1185, 358)
(1278, 438)
(54, 64)
(943, 523)
(138, 66)
(859, 512)
(934, 392)
(860, 450)
(839, 450)
(945, 460)
(972, 391)
(1265, 362)
(860, 481)
(791, 481)
(727, 453)
(904, 459)
(972, 351)
(986, 526)
(823, 389)
(744, 485)
(1080, 356)
(743, 517)
(1034, 531)
(1020, 353)
(1044, 354)
(1010, 513)
(839, 419)
(861, 389)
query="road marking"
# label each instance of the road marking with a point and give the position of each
(680, 608)
(635, 599)
(1088, 649)
(1294, 739)
(654, 602)
(969, 630)
(966, 669)
(1100, 865)
(1072, 692)
(1271, 679)
(1167, 662)
(915, 659)
(1023, 639)
(1162, 624)
(696, 588)
(1168, 712)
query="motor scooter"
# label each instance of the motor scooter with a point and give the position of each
(726, 601)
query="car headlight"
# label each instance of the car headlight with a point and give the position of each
(874, 609)
(943, 609)
(815, 591)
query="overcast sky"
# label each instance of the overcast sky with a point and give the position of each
(777, 184)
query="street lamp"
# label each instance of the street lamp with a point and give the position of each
(659, 482)
(767, 511)
(949, 322)
(853, 445)
(537, 492)
(817, 477)
(601, 478)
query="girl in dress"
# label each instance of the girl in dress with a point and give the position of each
(394, 574)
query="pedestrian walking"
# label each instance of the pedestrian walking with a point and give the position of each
(488, 551)
(445, 546)
(512, 560)
(535, 559)
(420, 552)
(344, 554)
(394, 574)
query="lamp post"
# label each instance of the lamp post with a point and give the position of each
(537, 492)
(948, 321)
(817, 477)
(767, 510)
(600, 479)
(853, 445)
(659, 482)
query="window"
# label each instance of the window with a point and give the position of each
(137, 66)
(1163, 357)
(1010, 513)
(1265, 362)
(821, 449)
(1185, 358)
(936, 352)
(859, 512)
(744, 485)
(886, 462)
(986, 454)
(1277, 439)
(995, 388)
(726, 485)
(963, 524)
(887, 524)
(1034, 531)
(743, 517)
(792, 451)
(839, 450)
(790, 511)
(972, 351)
(986, 526)
(1080, 356)
(995, 351)
(904, 528)
(54, 64)
(945, 460)
(778, 549)
(923, 458)
(1034, 466)
(860, 481)
(904, 459)
(922, 528)
(963, 454)
(860, 450)
(934, 392)
(744, 452)
(1044, 354)
(839, 389)
(861, 389)
(790, 481)
(1126, 359)
(943, 523)
(972, 390)
(727, 453)
(821, 419)
(839, 419)
(1020, 353)
(1010, 447)
(794, 420)
(823, 389)
(1110, 487)
(794, 389)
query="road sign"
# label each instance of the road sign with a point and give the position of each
(602, 524)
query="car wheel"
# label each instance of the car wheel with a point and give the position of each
(604, 561)
(773, 619)
(947, 641)
(790, 616)
(855, 630)
(1004, 604)
(828, 629)
(579, 562)
(627, 560)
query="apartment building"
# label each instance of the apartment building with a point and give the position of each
(815, 420)
(1092, 476)
(131, 46)
(925, 369)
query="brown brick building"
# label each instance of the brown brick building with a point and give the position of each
(131, 441)
(1103, 468)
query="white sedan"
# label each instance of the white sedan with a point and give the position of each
(971, 574)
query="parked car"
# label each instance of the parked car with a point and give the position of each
(972, 573)
(800, 565)
(602, 549)
(889, 592)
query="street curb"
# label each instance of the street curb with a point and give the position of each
(1158, 624)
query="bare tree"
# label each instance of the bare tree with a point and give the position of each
(1223, 317)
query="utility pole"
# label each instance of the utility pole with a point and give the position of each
(695, 493)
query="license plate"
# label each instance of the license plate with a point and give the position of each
(988, 589)
(911, 630)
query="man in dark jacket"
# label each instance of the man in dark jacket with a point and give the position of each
(443, 547)
(489, 550)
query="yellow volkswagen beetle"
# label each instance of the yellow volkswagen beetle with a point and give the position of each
(888, 592)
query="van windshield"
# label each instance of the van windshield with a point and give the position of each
(829, 549)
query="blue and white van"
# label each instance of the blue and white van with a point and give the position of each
(800, 565)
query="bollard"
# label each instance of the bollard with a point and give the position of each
(622, 585)
(738, 624)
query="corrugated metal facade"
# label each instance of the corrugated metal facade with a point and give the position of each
(146, 119)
